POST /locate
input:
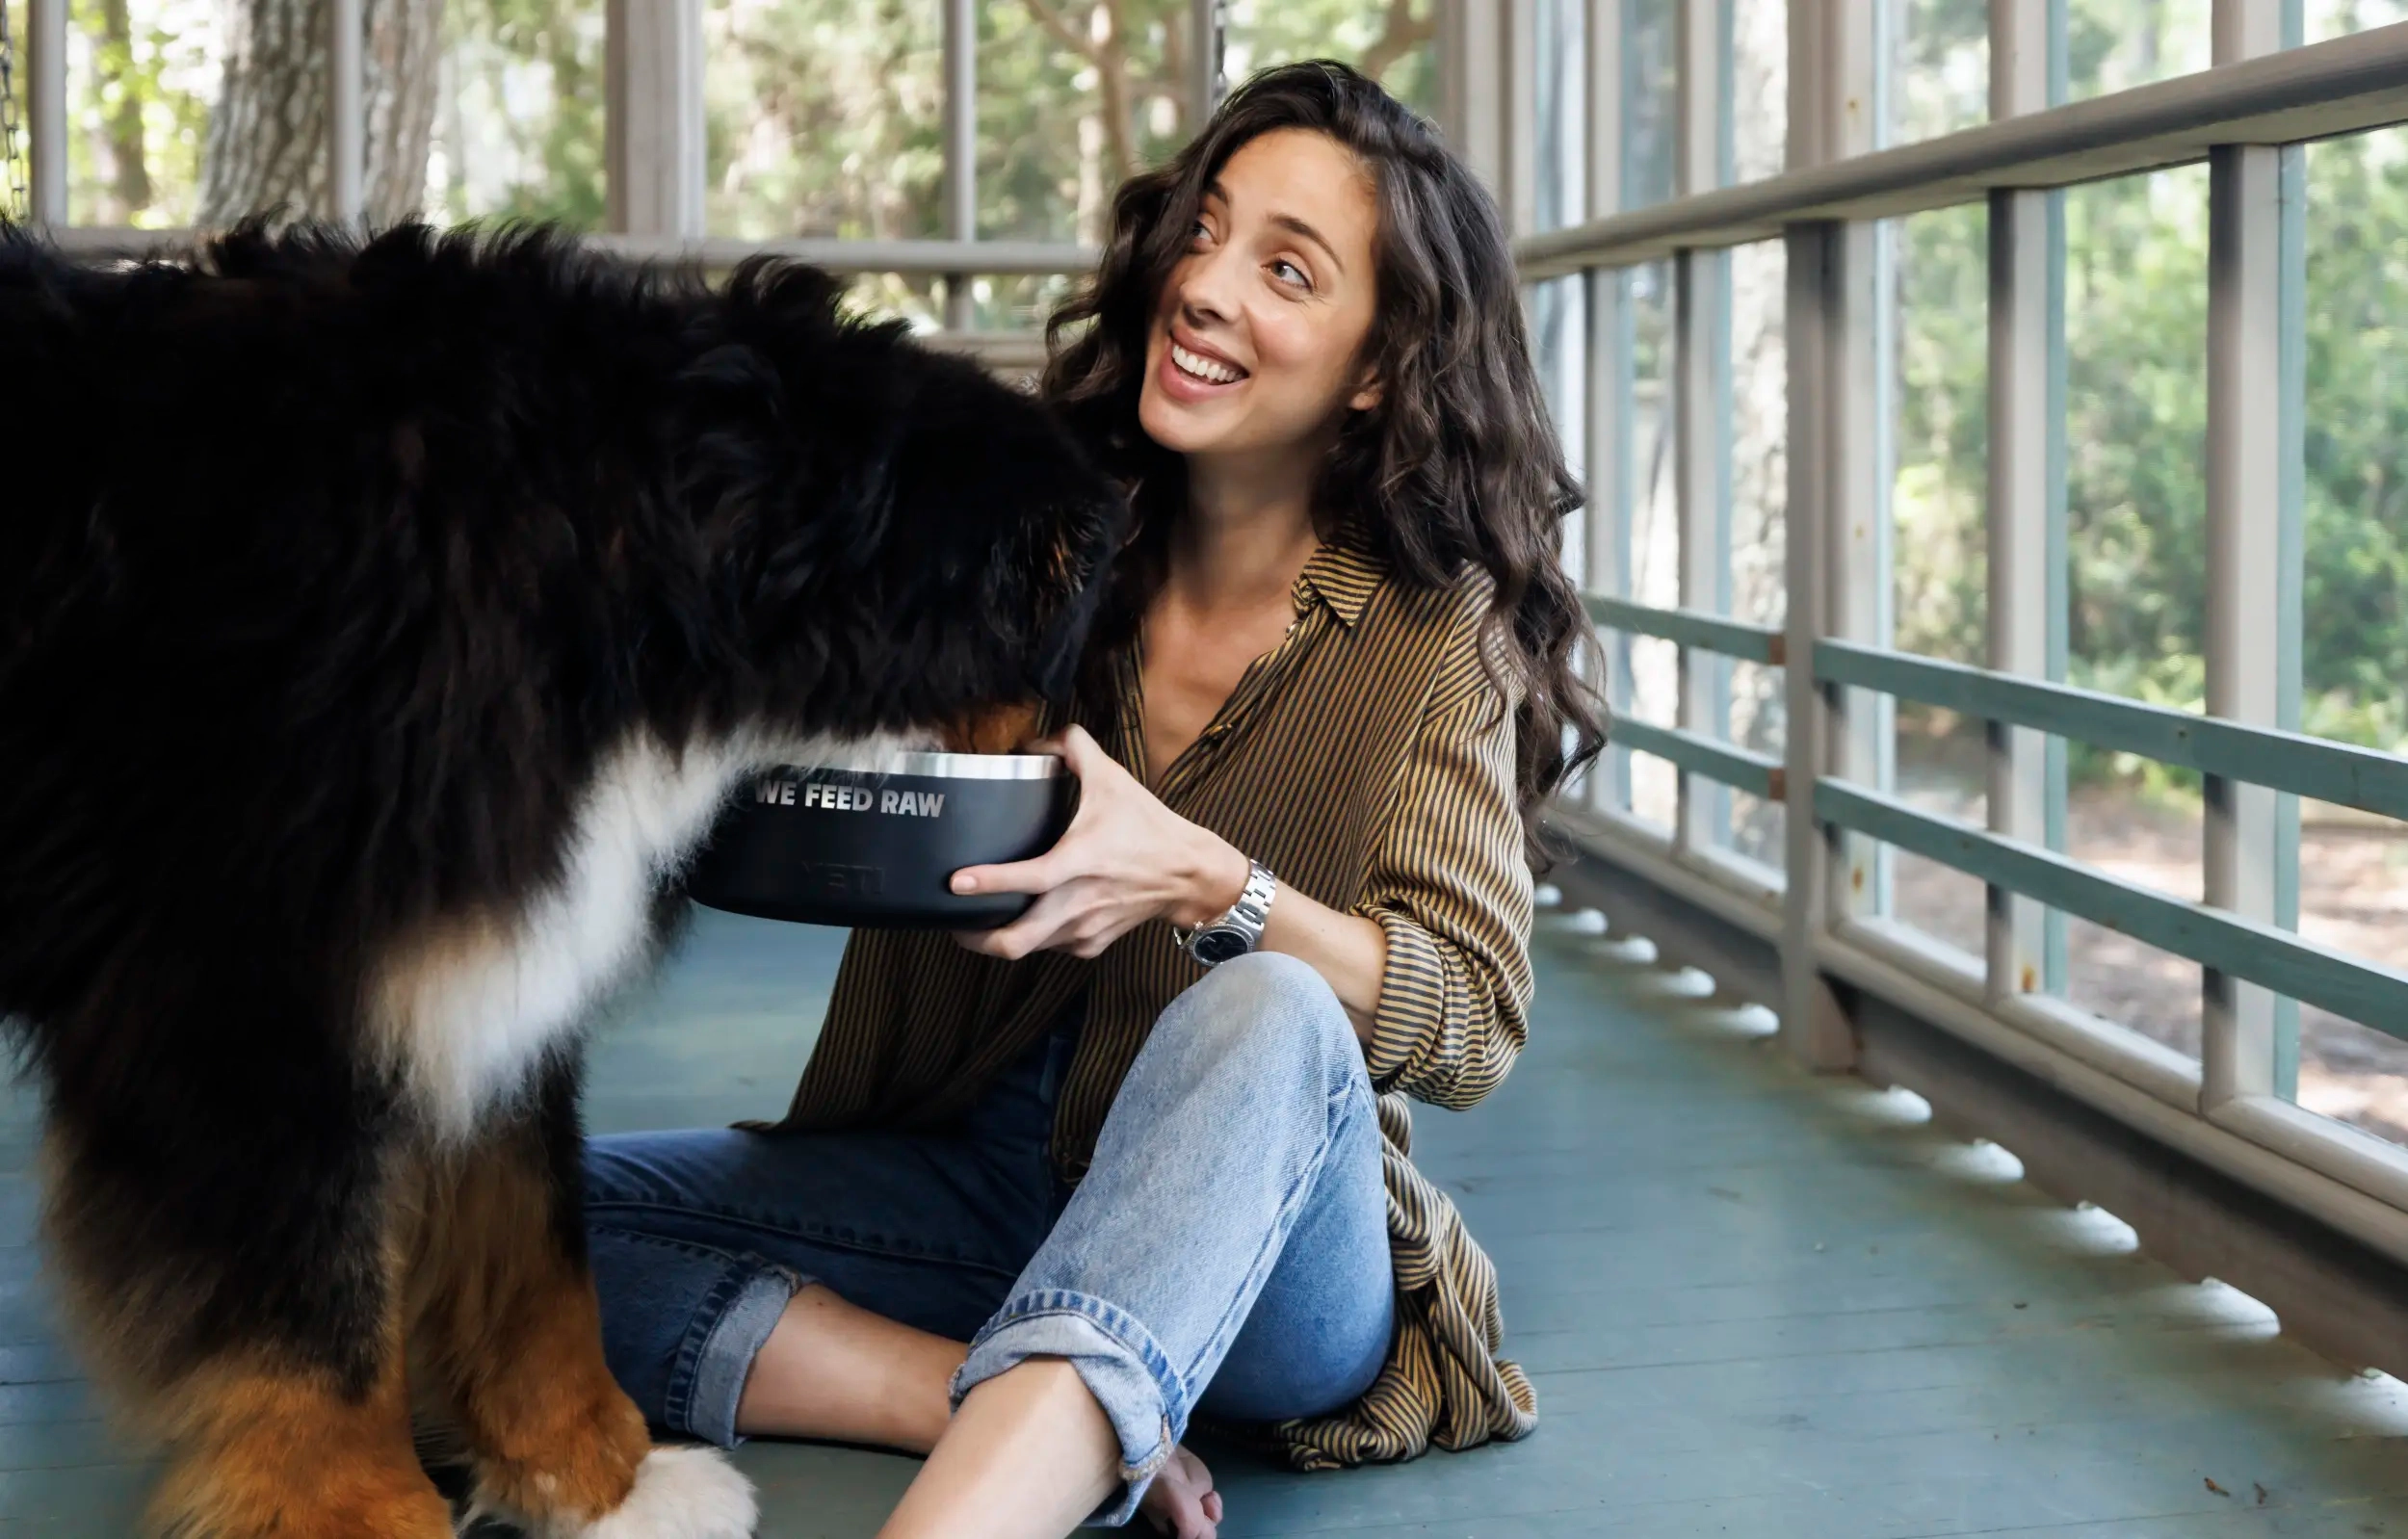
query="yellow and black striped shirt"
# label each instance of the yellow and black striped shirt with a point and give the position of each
(1369, 759)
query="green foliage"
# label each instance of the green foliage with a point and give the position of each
(2135, 434)
(141, 76)
(825, 118)
(2355, 656)
(1941, 432)
(1940, 67)
(2136, 422)
(519, 130)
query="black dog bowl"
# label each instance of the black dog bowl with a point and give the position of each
(877, 848)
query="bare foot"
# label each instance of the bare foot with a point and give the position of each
(1182, 1503)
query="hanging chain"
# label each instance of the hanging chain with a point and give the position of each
(19, 205)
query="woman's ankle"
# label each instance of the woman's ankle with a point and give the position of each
(834, 1371)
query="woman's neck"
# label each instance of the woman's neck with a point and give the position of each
(1245, 538)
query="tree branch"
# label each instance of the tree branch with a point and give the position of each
(1063, 32)
(1402, 32)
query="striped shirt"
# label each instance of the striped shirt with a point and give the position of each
(1368, 761)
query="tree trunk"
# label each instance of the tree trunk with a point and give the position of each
(268, 139)
(129, 180)
(1111, 54)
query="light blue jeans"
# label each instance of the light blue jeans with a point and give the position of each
(1226, 1251)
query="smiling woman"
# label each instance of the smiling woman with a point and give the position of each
(1261, 282)
(1048, 1192)
(1319, 232)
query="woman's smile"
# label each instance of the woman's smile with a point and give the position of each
(1192, 370)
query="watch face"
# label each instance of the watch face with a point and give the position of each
(1216, 946)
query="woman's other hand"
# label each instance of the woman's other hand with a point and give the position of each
(1125, 859)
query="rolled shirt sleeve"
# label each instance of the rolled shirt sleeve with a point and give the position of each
(1450, 885)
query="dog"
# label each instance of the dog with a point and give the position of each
(382, 623)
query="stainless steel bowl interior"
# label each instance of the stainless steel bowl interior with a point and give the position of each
(945, 766)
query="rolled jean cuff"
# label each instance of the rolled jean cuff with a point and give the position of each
(716, 1358)
(1141, 1394)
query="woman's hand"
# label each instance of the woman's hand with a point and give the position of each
(1125, 859)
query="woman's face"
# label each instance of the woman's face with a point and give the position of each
(1256, 343)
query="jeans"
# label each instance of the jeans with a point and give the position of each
(1227, 1250)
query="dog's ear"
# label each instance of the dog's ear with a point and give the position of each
(736, 468)
(779, 508)
(730, 404)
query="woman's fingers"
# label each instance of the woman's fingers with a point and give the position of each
(1044, 925)
(1068, 859)
(1118, 865)
(1037, 874)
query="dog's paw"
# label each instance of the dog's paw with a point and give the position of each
(682, 1492)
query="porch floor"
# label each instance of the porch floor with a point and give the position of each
(1754, 1304)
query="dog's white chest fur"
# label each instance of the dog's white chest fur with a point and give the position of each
(463, 1011)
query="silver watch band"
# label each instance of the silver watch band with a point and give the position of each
(1238, 930)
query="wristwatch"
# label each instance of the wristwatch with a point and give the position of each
(1238, 930)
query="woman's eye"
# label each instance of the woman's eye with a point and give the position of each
(1289, 272)
(1198, 231)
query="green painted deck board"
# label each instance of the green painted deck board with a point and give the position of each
(1754, 1304)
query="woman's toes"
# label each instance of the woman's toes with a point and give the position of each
(1181, 1502)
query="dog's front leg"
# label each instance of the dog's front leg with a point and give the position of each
(268, 1357)
(263, 1450)
(507, 1332)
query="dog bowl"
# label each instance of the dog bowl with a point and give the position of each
(877, 845)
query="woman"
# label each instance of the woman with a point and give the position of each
(1035, 1209)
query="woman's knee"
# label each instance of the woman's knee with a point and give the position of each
(1265, 1012)
(1268, 987)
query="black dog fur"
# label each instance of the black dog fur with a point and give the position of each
(333, 574)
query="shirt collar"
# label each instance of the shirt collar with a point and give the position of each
(1342, 575)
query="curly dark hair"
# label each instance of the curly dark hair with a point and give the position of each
(1458, 464)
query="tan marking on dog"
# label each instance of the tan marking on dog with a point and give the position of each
(507, 1332)
(265, 1453)
(1005, 729)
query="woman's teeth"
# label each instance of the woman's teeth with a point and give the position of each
(1200, 367)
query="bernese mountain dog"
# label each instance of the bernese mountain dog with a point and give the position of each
(382, 623)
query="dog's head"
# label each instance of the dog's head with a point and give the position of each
(906, 544)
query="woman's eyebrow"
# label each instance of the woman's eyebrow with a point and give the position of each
(1213, 192)
(1296, 227)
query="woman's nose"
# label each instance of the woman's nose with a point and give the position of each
(1206, 288)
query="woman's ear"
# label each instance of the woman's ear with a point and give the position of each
(1366, 395)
